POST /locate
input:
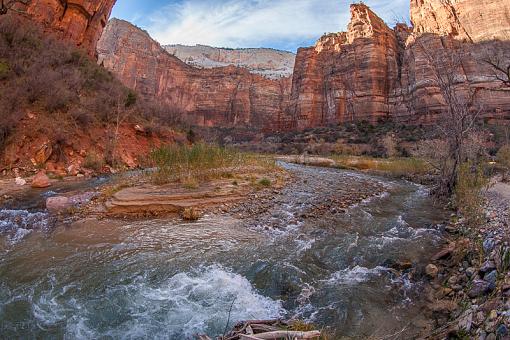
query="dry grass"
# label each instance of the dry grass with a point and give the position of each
(468, 195)
(190, 165)
(393, 166)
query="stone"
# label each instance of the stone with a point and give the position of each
(502, 331)
(479, 288)
(488, 245)
(491, 336)
(431, 271)
(20, 181)
(58, 204)
(466, 321)
(40, 180)
(470, 271)
(487, 266)
(491, 277)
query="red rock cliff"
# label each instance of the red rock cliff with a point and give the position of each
(81, 21)
(348, 75)
(468, 20)
(372, 71)
(226, 96)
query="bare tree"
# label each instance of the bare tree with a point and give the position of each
(9, 5)
(498, 58)
(458, 117)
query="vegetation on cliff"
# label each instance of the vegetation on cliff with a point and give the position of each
(47, 80)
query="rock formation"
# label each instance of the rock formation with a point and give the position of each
(267, 62)
(468, 20)
(81, 21)
(372, 71)
(226, 96)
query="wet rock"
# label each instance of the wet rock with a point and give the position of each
(479, 288)
(58, 204)
(431, 271)
(41, 180)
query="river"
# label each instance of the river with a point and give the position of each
(166, 279)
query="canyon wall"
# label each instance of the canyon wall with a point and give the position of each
(226, 96)
(372, 72)
(81, 21)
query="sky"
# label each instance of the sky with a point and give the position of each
(281, 24)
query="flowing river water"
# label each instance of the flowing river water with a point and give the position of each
(165, 279)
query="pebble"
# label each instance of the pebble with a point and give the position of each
(431, 271)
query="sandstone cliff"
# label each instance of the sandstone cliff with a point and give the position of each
(226, 96)
(81, 21)
(346, 76)
(467, 20)
(266, 62)
(372, 71)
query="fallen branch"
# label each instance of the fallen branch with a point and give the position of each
(287, 335)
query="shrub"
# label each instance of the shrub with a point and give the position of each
(468, 193)
(191, 214)
(265, 182)
(93, 162)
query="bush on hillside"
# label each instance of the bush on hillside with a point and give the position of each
(43, 74)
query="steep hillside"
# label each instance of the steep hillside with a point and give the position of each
(266, 62)
(226, 96)
(63, 112)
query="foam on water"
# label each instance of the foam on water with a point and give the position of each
(355, 275)
(184, 305)
(17, 224)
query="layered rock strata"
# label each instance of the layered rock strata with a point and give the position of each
(225, 96)
(372, 72)
(81, 21)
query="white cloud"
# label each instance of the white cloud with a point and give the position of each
(255, 23)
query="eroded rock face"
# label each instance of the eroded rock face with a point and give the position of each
(372, 71)
(225, 96)
(467, 20)
(81, 21)
(348, 75)
(267, 62)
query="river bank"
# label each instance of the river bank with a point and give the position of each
(471, 278)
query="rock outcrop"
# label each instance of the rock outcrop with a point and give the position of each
(226, 96)
(347, 75)
(81, 21)
(267, 62)
(372, 72)
(467, 20)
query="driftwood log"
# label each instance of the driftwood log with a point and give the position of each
(264, 330)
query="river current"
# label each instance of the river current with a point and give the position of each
(166, 279)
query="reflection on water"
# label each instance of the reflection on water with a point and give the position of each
(168, 279)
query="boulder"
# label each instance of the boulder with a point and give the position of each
(40, 180)
(58, 204)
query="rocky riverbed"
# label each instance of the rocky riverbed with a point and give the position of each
(470, 288)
